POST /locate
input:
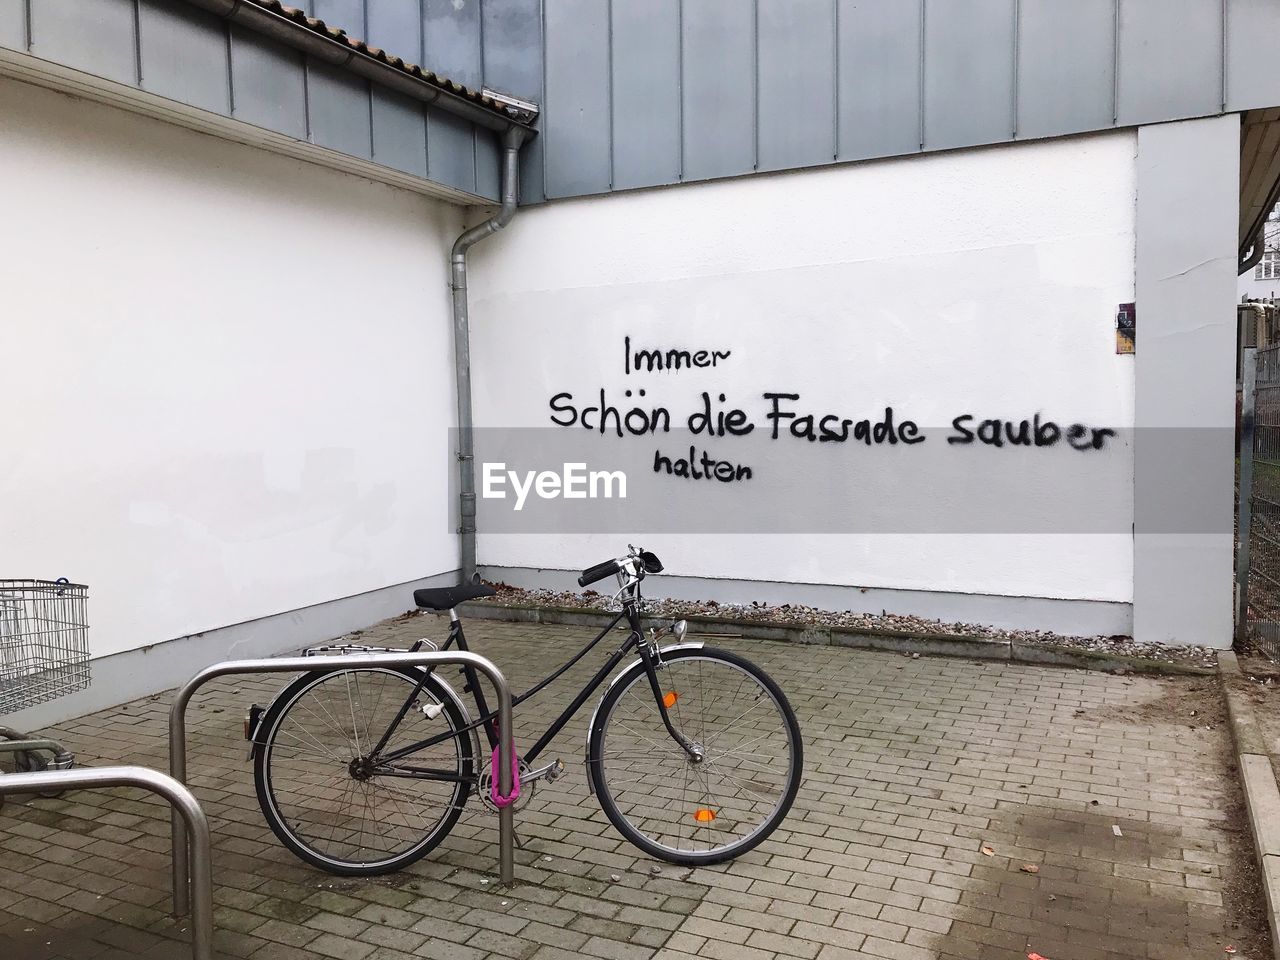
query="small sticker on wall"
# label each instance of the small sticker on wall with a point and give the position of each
(1126, 327)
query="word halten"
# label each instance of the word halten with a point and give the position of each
(720, 470)
(674, 360)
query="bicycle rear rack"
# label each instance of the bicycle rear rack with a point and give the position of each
(185, 808)
(347, 661)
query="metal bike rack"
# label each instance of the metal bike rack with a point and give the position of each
(426, 658)
(185, 810)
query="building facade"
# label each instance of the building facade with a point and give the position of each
(231, 346)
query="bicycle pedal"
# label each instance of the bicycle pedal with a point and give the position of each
(555, 771)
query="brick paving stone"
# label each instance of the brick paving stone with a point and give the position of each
(913, 765)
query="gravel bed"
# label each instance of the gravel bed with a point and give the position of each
(791, 613)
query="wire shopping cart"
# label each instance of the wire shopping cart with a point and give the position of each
(44, 655)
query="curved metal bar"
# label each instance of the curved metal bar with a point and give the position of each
(185, 808)
(12, 740)
(425, 658)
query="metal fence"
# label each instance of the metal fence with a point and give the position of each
(1258, 528)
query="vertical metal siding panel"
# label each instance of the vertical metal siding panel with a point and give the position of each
(513, 47)
(576, 122)
(1066, 66)
(451, 150)
(13, 24)
(1253, 44)
(797, 83)
(719, 88)
(95, 36)
(968, 72)
(532, 172)
(268, 83)
(338, 102)
(399, 132)
(879, 95)
(646, 93)
(347, 14)
(184, 54)
(451, 40)
(396, 27)
(1170, 58)
(488, 165)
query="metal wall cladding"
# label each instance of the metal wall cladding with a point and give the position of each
(268, 83)
(1253, 39)
(395, 25)
(176, 50)
(647, 93)
(968, 72)
(451, 150)
(773, 84)
(1066, 66)
(339, 110)
(718, 81)
(645, 85)
(96, 36)
(399, 132)
(13, 24)
(878, 82)
(451, 36)
(1170, 59)
(184, 55)
(797, 40)
(577, 77)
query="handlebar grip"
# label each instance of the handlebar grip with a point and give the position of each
(598, 572)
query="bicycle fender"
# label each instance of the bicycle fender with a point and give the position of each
(586, 747)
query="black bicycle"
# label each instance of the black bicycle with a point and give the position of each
(694, 753)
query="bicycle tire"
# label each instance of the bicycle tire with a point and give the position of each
(266, 752)
(635, 679)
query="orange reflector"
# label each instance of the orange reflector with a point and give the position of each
(703, 815)
(669, 700)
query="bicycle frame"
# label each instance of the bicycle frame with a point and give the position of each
(634, 642)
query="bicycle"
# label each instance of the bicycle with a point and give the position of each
(693, 753)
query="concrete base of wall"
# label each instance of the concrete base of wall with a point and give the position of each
(161, 666)
(1069, 617)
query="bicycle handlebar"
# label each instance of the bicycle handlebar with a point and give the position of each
(598, 572)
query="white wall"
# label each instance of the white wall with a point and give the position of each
(982, 280)
(225, 376)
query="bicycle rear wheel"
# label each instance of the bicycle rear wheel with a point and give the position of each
(703, 811)
(334, 807)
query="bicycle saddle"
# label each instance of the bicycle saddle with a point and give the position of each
(446, 598)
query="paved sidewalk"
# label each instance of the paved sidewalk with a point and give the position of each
(1123, 800)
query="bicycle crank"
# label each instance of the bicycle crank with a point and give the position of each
(528, 783)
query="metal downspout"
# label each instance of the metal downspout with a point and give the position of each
(1255, 252)
(511, 142)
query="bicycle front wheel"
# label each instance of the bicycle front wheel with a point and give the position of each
(724, 801)
(334, 805)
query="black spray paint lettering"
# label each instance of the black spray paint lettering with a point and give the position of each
(718, 419)
(637, 421)
(718, 424)
(672, 360)
(834, 429)
(1027, 433)
(688, 468)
